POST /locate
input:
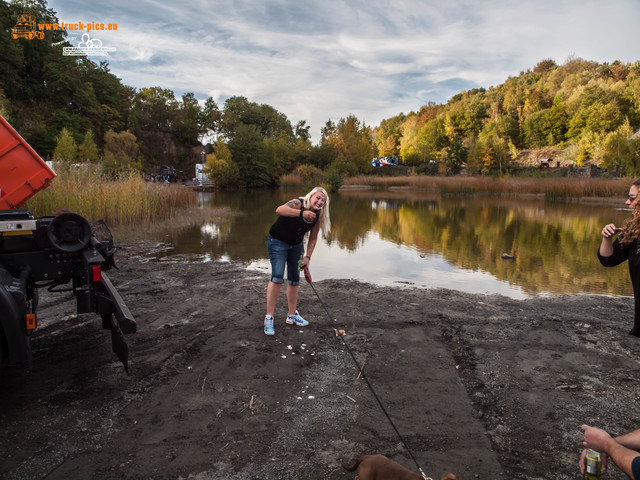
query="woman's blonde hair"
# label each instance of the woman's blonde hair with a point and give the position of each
(324, 220)
(631, 229)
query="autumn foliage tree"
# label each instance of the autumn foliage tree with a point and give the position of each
(350, 139)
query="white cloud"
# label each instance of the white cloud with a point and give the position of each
(318, 60)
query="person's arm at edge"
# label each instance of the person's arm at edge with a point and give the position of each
(622, 456)
(620, 449)
(630, 440)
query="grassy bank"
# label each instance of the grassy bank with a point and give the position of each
(127, 200)
(550, 187)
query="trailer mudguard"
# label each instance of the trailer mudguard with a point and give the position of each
(13, 330)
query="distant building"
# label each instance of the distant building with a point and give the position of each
(200, 176)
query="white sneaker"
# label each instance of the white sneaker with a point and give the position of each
(297, 320)
(268, 325)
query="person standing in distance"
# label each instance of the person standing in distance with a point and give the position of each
(285, 247)
(625, 247)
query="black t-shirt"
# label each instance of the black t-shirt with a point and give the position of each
(291, 230)
(620, 254)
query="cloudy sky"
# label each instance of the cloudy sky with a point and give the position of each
(316, 60)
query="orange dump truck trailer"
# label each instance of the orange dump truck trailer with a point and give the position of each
(49, 251)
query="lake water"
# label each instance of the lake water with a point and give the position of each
(402, 238)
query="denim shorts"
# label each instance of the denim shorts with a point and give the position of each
(281, 253)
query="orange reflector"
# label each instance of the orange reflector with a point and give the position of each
(31, 321)
(97, 273)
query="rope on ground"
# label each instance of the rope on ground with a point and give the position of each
(384, 410)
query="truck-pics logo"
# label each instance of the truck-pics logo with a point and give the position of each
(26, 28)
(88, 46)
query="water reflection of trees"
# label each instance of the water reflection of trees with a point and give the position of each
(554, 244)
(554, 250)
(351, 220)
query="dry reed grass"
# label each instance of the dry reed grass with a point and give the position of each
(291, 180)
(550, 187)
(124, 201)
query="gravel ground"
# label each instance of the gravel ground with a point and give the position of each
(485, 386)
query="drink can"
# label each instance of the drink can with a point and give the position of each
(594, 466)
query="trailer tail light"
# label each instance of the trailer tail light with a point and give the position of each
(97, 273)
(31, 321)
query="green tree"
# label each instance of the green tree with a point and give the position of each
(387, 136)
(187, 123)
(311, 176)
(302, 131)
(350, 139)
(474, 115)
(154, 109)
(621, 148)
(555, 124)
(4, 105)
(221, 168)
(343, 167)
(322, 155)
(496, 156)
(66, 149)
(474, 156)
(239, 111)
(120, 153)
(210, 117)
(534, 133)
(88, 150)
(456, 156)
(281, 154)
(248, 152)
(302, 152)
(409, 147)
(433, 135)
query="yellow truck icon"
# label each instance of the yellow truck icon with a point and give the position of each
(26, 28)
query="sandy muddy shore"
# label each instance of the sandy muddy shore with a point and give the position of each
(484, 386)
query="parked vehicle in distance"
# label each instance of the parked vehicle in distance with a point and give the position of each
(386, 161)
(544, 163)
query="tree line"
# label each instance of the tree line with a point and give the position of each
(73, 110)
(587, 109)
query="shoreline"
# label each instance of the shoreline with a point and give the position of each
(408, 188)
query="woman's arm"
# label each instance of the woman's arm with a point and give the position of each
(290, 209)
(311, 244)
(606, 246)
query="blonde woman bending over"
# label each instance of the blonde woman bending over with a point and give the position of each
(285, 247)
